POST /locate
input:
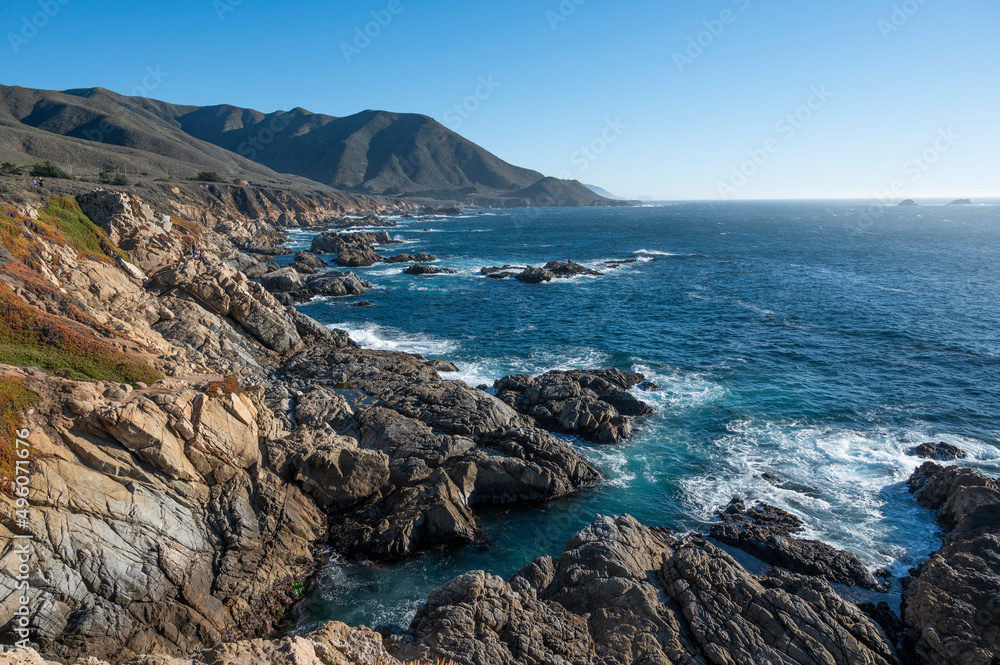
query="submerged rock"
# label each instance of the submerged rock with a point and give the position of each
(410, 258)
(428, 270)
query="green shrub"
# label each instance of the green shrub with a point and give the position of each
(109, 176)
(49, 170)
(9, 168)
(209, 176)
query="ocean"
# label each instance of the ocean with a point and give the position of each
(800, 349)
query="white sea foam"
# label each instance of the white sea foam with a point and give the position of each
(653, 252)
(848, 485)
(371, 335)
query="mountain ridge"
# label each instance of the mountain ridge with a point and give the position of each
(373, 152)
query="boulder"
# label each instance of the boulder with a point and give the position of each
(308, 264)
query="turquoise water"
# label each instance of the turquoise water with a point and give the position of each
(794, 339)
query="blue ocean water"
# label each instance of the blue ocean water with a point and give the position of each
(809, 341)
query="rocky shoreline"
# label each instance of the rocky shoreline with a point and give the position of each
(176, 520)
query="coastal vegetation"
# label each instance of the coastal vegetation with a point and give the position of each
(66, 347)
(15, 397)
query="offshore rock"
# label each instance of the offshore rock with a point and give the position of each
(594, 404)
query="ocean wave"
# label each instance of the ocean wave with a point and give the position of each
(371, 335)
(847, 485)
(653, 252)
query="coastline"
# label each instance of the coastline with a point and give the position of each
(340, 429)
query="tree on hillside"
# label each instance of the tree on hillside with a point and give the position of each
(49, 170)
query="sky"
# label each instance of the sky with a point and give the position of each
(677, 100)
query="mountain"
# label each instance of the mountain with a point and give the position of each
(600, 191)
(552, 191)
(372, 152)
(82, 131)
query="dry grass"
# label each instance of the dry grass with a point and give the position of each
(227, 386)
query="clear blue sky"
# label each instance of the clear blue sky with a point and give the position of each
(686, 125)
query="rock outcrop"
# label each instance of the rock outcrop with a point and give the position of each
(449, 448)
(135, 227)
(156, 528)
(570, 269)
(352, 249)
(594, 404)
(622, 593)
(227, 292)
(950, 605)
(765, 532)
(533, 275)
